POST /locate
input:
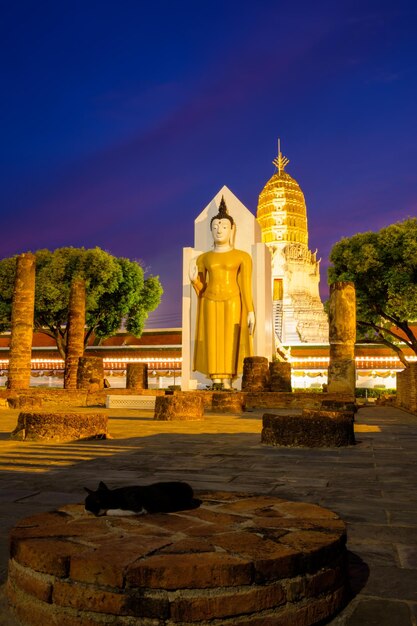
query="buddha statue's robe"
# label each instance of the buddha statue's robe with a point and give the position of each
(223, 287)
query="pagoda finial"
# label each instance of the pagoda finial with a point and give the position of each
(280, 161)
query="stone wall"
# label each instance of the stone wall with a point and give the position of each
(261, 400)
(68, 397)
(407, 388)
(295, 400)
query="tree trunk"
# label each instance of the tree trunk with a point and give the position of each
(22, 323)
(75, 334)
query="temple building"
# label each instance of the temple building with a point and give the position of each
(298, 316)
(298, 313)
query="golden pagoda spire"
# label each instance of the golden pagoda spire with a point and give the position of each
(280, 161)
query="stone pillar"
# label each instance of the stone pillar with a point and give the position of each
(280, 376)
(90, 375)
(255, 374)
(342, 337)
(23, 307)
(75, 336)
(181, 406)
(137, 376)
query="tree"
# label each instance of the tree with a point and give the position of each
(117, 292)
(383, 267)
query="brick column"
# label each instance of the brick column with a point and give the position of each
(280, 374)
(407, 388)
(255, 374)
(342, 337)
(75, 336)
(22, 322)
(137, 376)
(90, 375)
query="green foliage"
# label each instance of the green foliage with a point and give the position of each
(116, 292)
(372, 392)
(7, 274)
(308, 389)
(383, 267)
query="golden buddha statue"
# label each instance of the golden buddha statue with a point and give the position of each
(222, 279)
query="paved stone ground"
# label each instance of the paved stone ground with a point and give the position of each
(372, 485)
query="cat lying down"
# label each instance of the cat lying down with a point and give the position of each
(138, 500)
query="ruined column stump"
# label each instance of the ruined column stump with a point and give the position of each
(60, 426)
(237, 560)
(228, 402)
(22, 323)
(311, 429)
(76, 326)
(255, 374)
(137, 376)
(90, 374)
(182, 407)
(280, 376)
(342, 337)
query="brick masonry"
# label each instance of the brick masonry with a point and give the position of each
(22, 322)
(181, 406)
(90, 373)
(137, 376)
(261, 400)
(75, 336)
(60, 426)
(240, 559)
(255, 374)
(406, 397)
(311, 429)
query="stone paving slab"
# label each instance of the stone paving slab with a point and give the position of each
(372, 612)
(371, 485)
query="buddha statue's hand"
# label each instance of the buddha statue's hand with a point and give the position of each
(193, 271)
(251, 322)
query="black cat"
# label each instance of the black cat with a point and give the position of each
(137, 500)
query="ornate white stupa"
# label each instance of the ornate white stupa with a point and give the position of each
(298, 313)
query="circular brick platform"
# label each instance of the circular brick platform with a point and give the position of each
(238, 559)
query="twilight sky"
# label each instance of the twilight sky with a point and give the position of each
(120, 120)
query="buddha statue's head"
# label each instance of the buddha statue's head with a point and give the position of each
(222, 226)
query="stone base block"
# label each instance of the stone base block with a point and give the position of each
(225, 402)
(280, 376)
(341, 376)
(25, 402)
(182, 407)
(60, 426)
(238, 560)
(339, 405)
(311, 429)
(255, 374)
(137, 376)
(90, 373)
